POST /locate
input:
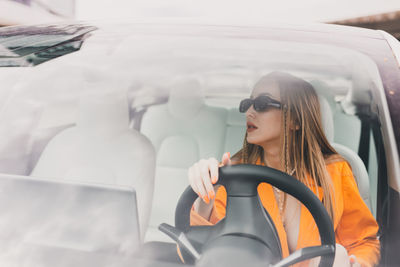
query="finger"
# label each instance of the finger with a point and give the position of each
(226, 158)
(213, 166)
(205, 175)
(199, 182)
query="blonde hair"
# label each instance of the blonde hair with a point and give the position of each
(304, 144)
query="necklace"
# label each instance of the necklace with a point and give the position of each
(281, 199)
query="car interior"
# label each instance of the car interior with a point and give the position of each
(87, 126)
(179, 144)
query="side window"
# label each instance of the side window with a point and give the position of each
(348, 129)
(373, 173)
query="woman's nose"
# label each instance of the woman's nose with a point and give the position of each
(250, 112)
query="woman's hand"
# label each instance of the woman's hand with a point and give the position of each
(203, 174)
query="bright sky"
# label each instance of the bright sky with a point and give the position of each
(255, 10)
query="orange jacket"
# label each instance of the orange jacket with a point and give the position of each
(355, 226)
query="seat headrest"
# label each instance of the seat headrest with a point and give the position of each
(104, 112)
(186, 99)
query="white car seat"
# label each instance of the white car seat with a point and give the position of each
(357, 165)
(235, 131)
(102, 149)
(183, 131)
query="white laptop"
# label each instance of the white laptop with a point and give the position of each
(72, 216)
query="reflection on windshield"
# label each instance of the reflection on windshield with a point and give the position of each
(33, 45)
(139, 112)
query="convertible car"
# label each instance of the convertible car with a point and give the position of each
(99, 123)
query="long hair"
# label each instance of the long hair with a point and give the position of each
(304, 146)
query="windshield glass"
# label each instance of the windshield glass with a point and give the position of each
(137, 108)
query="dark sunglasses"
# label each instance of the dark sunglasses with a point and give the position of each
(260, 103)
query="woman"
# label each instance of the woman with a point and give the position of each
(284, 131)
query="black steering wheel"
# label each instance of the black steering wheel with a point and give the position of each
(247, 233)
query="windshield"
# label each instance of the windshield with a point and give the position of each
(135, 109)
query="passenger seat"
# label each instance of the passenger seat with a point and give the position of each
(102, 149)
(183, 131)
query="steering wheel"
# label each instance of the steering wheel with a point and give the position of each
(247, 234)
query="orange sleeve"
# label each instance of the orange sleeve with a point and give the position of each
(357, 228)
(218, 211)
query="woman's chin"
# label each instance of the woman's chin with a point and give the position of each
(252, 141)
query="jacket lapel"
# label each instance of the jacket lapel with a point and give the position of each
(268, 200)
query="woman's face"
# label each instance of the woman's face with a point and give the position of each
(264, 128)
